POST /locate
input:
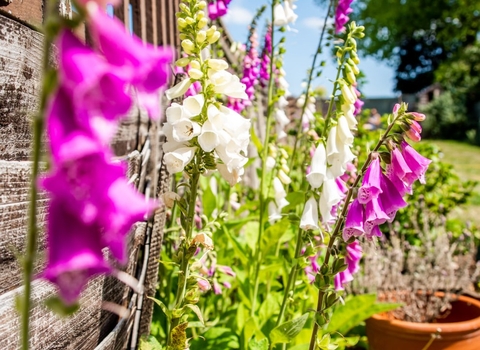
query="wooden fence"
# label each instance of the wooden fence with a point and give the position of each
(138, 141)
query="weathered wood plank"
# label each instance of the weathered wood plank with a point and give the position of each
(20, 62)
(29, 11)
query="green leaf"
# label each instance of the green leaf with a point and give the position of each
(237, 247)
(255, 344)
(285, 332)
(151, 343)
(178, 337)
(57, 305)
(197, 312)
(251, 234)
(356, 309)
(209, 202)
(164, 308)
(300, 347)
(326, 343)
(256, 141)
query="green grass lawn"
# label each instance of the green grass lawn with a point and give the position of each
(465, 159)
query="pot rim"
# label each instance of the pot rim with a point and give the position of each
(450, 327)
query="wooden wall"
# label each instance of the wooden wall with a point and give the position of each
(138, 141)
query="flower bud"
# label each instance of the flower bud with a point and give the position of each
(349, 75)
(182, 62)
(217, 64)
(189, 20)
(201, 37)
(214, 38)
(413, 135)
(188, 46)
(181, 23)
(419, 117)
(184, 8)
(211, 30)
(284, 177)
(347, 94)
(199, 15)
(396, 109)
(195, 64)
(182, 36)
(354, 57)
(202, 22)
(202, 4)
(353, 66)
(195, 73)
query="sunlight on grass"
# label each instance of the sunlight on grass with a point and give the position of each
(465, 159)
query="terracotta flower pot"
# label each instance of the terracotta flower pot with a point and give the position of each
(459, 330)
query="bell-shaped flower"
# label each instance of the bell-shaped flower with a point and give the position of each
(374, 215)
(97, 90)
(289, 13)
(280, 193)
(352, 259)
(208, 138)
(329, 197)
(274, 212)
(146, 67)
(318, 170)
(175, 113)
(279, 15)
(371, 187)
(185, 130)
(332, 143)
(391, 199)
(417, 163)
(194, 104)
(398, 172)
(232, 177)
(74, 251)
(309, 220)
(354, 221)
(178, 159)
(178, 90)
(338, 162)
(122, 208)
(343, 131)
(236, 126)
(348, 111)
(231, 156)
(217, 64)
(228, 84)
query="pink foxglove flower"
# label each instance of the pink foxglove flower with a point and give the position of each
(391, 199)
(145, 67)
(374, 215)
(370, 188)
(417, 163)
(74, 251)
(341, 15)
(352, 259)
(354, 221)
(398, 172)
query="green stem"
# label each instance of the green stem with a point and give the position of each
(185, 263)
(32, 233)
(258, 253)
(339, 223)
(309, 82)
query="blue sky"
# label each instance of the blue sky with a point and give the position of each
(301, 43)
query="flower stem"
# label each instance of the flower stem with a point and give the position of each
(309, 83)
(339, 223)
(38, 126)
(185, 263)
(263, 195)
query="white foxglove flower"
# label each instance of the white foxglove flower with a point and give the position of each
(233, 176)
(339, 161)
(330, 197)
(174, 113)
(348, 110)
(234, 124)
(215, 116)
(332, 143)
(217, 64)
(282, 102)
(178, 90)
(289, 14)
(270, 163)
(278, 189)
(280, 16)
(274, 213)
(208, 138)
(284, 177)
(309, 220)
(194, 104)
(318, 169)
(228, 84)
(343, 131)
(178, 159)
(185, 130)
(347, 94)
(230, 156)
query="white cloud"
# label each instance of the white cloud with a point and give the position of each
(238, 15)
(315, 22)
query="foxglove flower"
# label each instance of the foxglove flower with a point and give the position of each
(370, 188)
(354, 221)
(417, 164)
(398, 172)
(145, 67)
(74, 251)
(309, 220)
(391, 199)
(329, 198)
(318, 170)
(352, 259)
(179, 158)
(374, 215)
(341, 15)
